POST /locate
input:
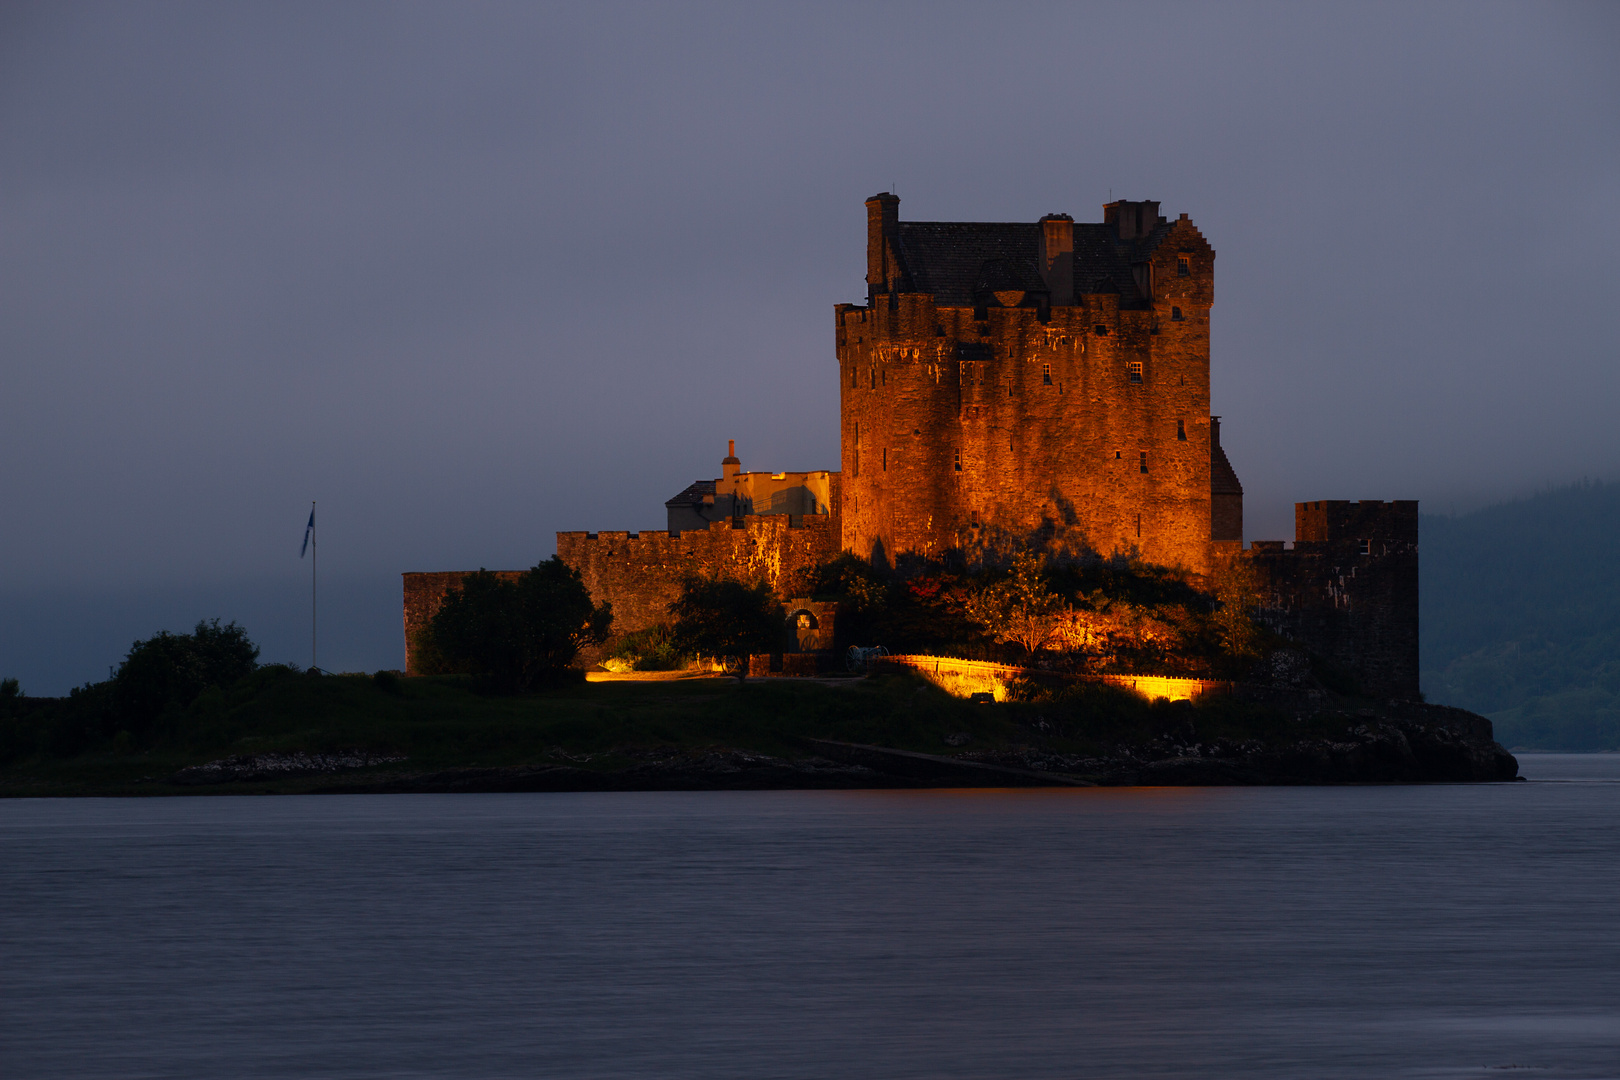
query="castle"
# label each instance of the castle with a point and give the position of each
(1047, 383)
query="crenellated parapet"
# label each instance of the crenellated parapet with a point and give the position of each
(641, 574)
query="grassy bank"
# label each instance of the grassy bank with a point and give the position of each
(446, 723)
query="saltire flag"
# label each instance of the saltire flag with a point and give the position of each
(307, 530)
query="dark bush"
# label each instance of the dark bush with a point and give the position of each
(172, 669)
(718, 618)
(519, 634)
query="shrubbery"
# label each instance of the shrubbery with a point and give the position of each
(1071, 612)
(652, 649)
(719, 618)
(173, 669)
(518, 634)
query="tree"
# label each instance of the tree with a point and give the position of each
(1019, 609)
(1238, 592)
(522, 634)
(174, 669)
(717, 617)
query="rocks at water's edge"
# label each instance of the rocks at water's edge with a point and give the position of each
(278, 766)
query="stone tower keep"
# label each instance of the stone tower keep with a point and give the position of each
(1052, 377)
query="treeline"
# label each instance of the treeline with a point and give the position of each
(1081, 614)
(1520, 620)
(159, 679)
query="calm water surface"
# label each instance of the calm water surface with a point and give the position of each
(1306, 932)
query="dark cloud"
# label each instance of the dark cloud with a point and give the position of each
(469, 275)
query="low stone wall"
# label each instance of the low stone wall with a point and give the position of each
(964, 678)
(785, 665)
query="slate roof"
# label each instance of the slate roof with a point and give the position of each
(692, 494)
(955, 259)
(1222, 477)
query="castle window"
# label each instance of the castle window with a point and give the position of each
(1100, 330)
(1143, 461)
(975, 519)
(1181, 430)
(885, 377)
(1118, 454)
(854, 378)
(1183, 266)
(874, 378)
(885, 459)
(959, 461)
(1175, 314)
(1135, 368)
(1364, 547)
(856, 452)
(1046, 374)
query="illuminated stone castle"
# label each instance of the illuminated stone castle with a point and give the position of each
(1045, 384)
(1046, 379)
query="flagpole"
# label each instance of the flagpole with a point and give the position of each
(314, 557)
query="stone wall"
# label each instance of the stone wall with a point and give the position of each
(964, 678)
(640, 574)
(424, 592)
(1348, 589)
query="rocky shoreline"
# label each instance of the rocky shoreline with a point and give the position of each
(1398, 742)
(1411, 743)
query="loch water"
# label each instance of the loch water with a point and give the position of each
(1422, 931)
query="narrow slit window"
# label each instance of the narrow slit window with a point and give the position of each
(1181, 430)
(854, 378)
(1046, 374)
(856, 470)
(1135, 369)
(1175, 314)
(874, 378)
(959, 461)
(1183, 266)
(1142, 461)
(885, 459)
(975, 519)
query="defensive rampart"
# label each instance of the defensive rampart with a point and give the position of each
(640, 574)
(1348, 589)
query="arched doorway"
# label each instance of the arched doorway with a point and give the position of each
(805, 631)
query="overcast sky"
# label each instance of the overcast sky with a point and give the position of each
(471, 274)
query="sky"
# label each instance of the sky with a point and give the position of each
(469, 274)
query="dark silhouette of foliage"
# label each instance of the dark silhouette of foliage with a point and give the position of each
(519, 634)
(173, 669)
(716, 617)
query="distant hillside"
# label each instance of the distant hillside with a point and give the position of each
(1521, 617)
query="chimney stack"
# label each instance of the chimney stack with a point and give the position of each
(730, 466)
(882, 228)
(1057, 258)
(1132, 220)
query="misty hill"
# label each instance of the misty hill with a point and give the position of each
(1521, 617)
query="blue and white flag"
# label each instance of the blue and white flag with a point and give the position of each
(307, 530)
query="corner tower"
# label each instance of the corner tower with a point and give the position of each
(1013, 380)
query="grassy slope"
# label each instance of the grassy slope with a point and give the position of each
(442, 723)
(1521, 617)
